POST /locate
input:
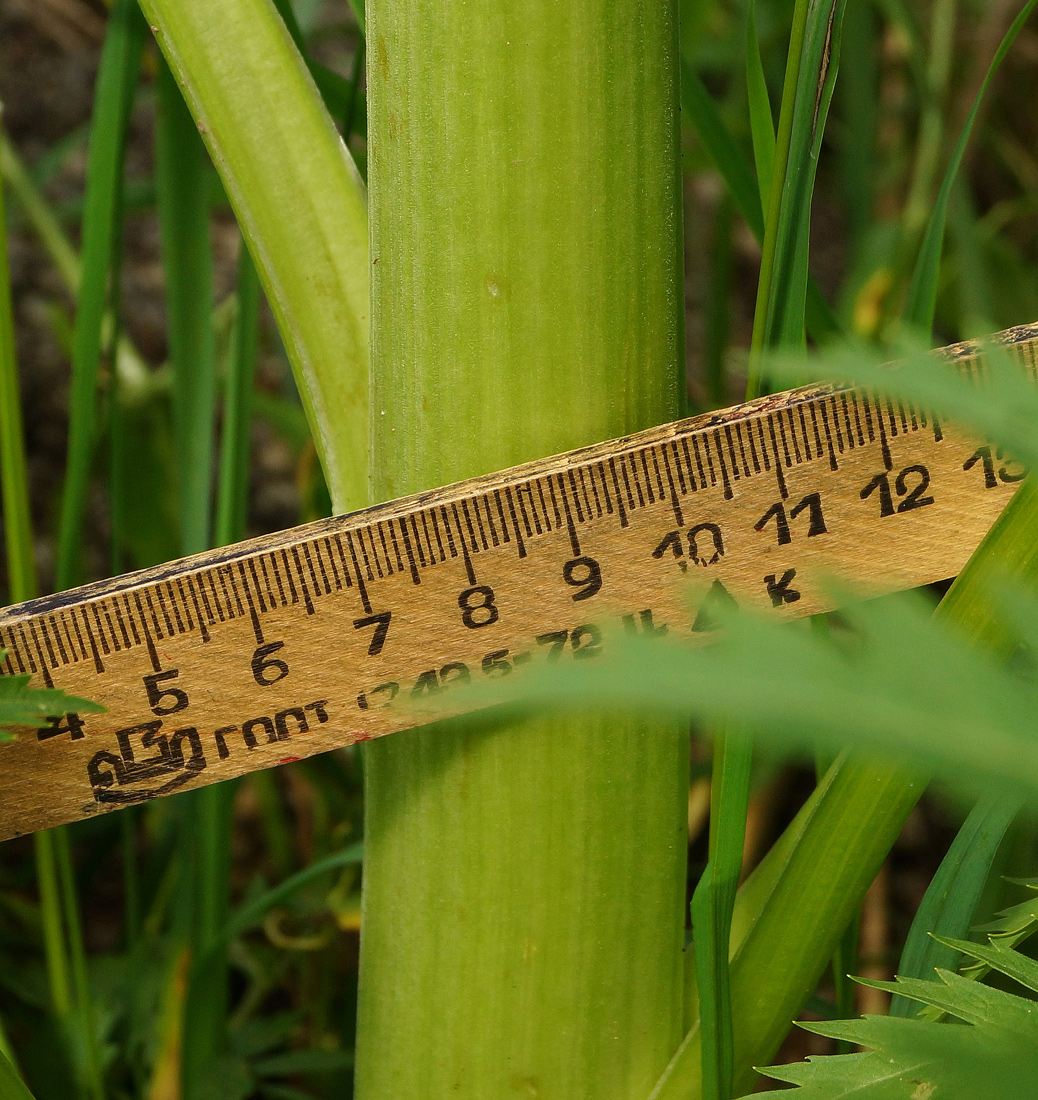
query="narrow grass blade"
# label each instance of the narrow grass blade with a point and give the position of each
(22, 585)
(737, 172)
(117, 79)
(857, 94)
(922, 292)
(88, 1050)
(233, 485)
(731, 162)
(349, 120)
(12, 1087)
(950, 901)
(762, 124)
(133, 373)
(39, 215)
(712, 906)
(18, 540)
(976, 301)
(54, 948)
(252, 912)
(339, 94)
(184, 220)
(719, 302)
(273, 142)
(779, 320)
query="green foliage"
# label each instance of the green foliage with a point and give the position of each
(22, 705)
(994, 1056)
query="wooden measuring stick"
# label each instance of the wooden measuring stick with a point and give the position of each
(358, 626)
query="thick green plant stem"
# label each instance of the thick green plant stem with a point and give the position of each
(797, 903)
(524, 879)
(299, 202)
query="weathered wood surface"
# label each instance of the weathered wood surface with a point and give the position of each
(351, 628)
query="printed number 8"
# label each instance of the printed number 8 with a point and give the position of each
(469, 609)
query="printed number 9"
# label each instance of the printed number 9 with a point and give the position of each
(585, 574)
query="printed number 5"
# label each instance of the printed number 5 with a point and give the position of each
(156, 693)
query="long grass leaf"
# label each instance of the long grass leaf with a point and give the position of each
(116, 81)
(184, 220)
(948, 906)
(252, 912)
(921, 303)
(737, 172)
(779, 320)
(762, 124)
(273, 142)
(14, 478)
(857, 95)
(712, 905)
(233, 483)
(134, 374)
(12, 1087)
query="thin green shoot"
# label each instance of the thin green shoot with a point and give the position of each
(948, 907)
(762, 124)
(810, 82)
(738, 175)
(921, 304)
(183, 207)
(712, 905)
(117, 79)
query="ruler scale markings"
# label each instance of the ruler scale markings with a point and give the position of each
(830, 446)
(409, 551)
(478, 542)
(308, 602)
(35, 631)
(320, 585)
(725, 479)
(113, 611)
(728, 440)
(675, 503)
(337, 540)
(603, 478)
(225, 708)
(361, 586)
(65, 634)
(260, 588)
(815, 433)
(520, 543)
(831, 416)
(506, 537)
(183, 602)
(486, 499)
(391, 527)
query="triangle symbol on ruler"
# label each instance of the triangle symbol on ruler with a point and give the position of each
(717, 597)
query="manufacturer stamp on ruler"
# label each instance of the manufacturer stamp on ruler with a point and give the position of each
(362, 625)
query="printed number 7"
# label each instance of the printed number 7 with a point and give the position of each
(381, 625)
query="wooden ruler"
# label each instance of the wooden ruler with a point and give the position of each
(358, 626)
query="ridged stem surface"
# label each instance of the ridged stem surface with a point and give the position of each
(524, 879)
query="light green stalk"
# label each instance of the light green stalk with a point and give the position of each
(524, 880)
(299, 202)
